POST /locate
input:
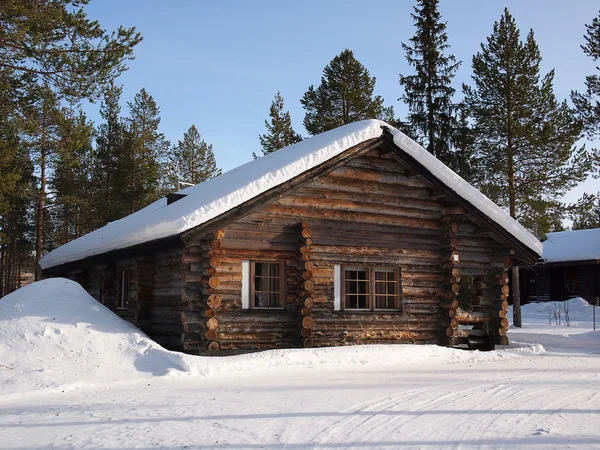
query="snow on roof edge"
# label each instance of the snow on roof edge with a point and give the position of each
(571, 246)
(208, 200)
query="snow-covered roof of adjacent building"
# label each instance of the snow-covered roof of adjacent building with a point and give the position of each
(568, 246)
(208, 200)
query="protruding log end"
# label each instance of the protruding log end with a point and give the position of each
(220, 234)
(214, 282)
(214, 301)
(306, 312)
(212, 323)
(210, 334)
(213, 346)
(306, 332)
(307, 322)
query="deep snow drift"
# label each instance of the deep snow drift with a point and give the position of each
(54, 334)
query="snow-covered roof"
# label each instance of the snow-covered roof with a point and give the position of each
(208, 200)
(580, 245)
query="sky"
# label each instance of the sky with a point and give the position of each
(218, 64)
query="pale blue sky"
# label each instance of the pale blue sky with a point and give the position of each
(218, 64)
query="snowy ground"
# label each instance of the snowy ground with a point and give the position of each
(75, 377)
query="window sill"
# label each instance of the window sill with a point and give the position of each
(265, 310)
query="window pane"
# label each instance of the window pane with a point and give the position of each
(260, 269)
(274, 285)
(260, 284)
(261, 300)
(274, 270)
(391, 288)
(381, 302)
(380, 288)
(350, 287)
(363, 301)
(275, 300)
(363, 287)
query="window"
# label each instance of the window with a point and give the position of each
(123, 299)
(369, 288)
(266, 287)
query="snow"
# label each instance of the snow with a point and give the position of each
(208, 200)
(580, 245)
(75, 376)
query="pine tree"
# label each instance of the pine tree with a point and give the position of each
(193, 160)
(524, 139)
(143, 155)
(280, 133)
(54, 43)
(588, 103)
(585, 214)
(345, 95)
(428, 93)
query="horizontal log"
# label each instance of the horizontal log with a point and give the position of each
(463, 317)
(353, 216)
(343, 184)
(358, 205)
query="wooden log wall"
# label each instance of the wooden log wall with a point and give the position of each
(167, 286)
(452, 279)
(487, 262)
(95, 285)
(202, 274)
(370, 211)
(233, 329)
(144, 275)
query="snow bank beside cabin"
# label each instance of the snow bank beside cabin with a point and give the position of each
(214, 197)
(53, 334)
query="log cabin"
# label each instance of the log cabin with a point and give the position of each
(570, 267)
(354, 236)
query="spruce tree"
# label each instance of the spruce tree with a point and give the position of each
(345, 95)
(143, 155)
(108, 153)
(280, 133)
(524, 139)
(192, 160)
(428, 93)
(588, 103)
(71, 181)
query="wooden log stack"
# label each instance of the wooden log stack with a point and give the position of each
(452, 276)
(201, 294)
(306, 285)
